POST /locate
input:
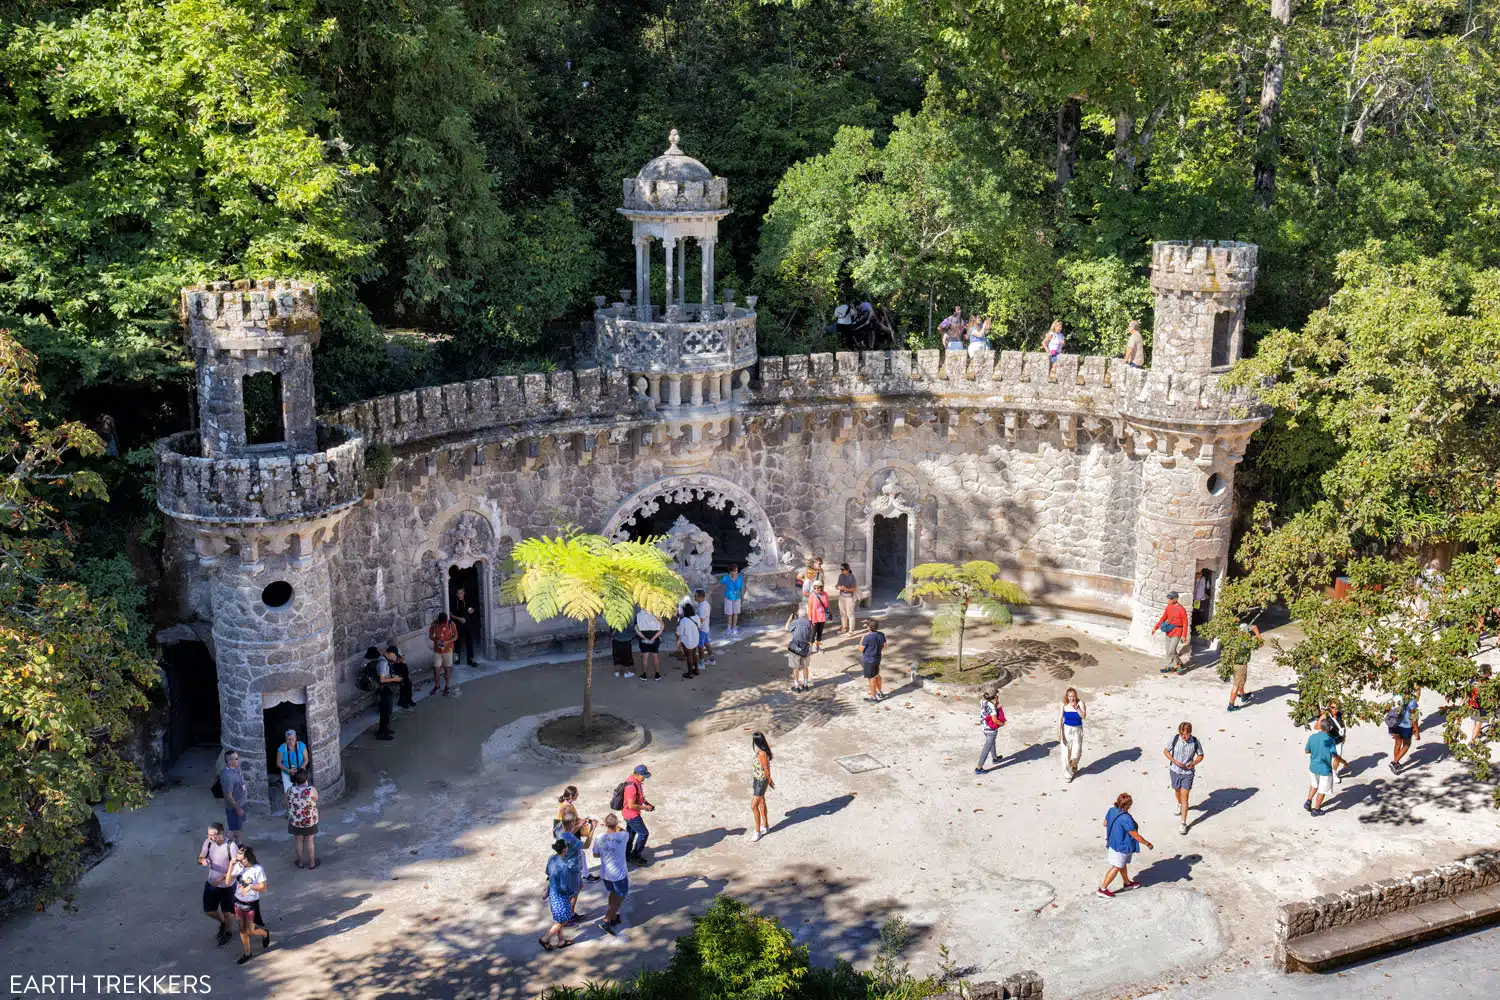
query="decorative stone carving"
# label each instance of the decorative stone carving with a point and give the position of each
(467, 539)
(750, 517)
(693, 550)
(898, 495)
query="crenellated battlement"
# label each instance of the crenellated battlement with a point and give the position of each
(260, 488)
(663, 195)
(480, 404)
(1204, 266)
(249, 315)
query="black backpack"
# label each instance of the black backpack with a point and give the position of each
(369, 677)
(217, 788)
(617, 800)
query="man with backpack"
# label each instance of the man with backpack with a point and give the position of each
(1184, 753)
(378, 675)
(630, 801)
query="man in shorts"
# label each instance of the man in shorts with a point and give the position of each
(705, 648)
(871, 646)
(1172, 626)
(232, 780)
(1239, 662)
(444, 635)
(734, 592)
(687, 637)
(609, 848)
(216, 854)
(1184, 753)
(799, 648)
(1320, 750)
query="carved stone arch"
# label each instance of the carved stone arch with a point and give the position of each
(718, 493)
(893, 489)
(465, 535)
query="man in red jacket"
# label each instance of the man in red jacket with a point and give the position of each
(1173, 626)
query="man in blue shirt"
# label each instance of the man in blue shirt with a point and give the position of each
(734, 591)
(1408, 727)
(1320, 750)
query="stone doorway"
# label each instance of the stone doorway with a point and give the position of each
(470, 578)
(890, 559)
(279, 718)
(192, 697)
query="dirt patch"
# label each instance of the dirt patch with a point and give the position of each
(1005, 660)
(606, 734)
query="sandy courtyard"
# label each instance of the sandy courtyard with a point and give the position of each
(432, 868)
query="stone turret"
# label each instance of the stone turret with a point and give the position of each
(680, 354)
(1201, 288)
(261, 498)
(1189, 450)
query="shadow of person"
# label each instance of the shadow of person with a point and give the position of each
(1037, 751)
(1221, 799)
(802, 814)
(1178, 868)
(679, 846)
(1270, 693)
(1109, 760)
(1360, 765)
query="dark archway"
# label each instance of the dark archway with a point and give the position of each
(278, 719)
(730, 546)
(192, 697)
(471, 633)
(890, 560)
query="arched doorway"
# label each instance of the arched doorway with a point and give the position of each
(890, 557)
(192, 696)
(736, 522)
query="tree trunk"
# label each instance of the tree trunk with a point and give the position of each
(1267, 134)
(963, 618)
(1069, 124)
(588, 680)
(1124, 157)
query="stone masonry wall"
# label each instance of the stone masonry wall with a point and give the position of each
(1336, 909)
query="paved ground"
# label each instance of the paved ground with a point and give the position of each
(432, 872)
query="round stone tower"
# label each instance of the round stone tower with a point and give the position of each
(1200, 289)
(681, 354)
(1188, 431)
(260, 489)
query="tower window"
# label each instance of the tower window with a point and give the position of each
(264, 423)
(1223, 334)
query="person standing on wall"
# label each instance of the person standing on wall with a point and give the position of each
(465, 616)
(951, 329)
(1053, 344)
(871, 648)
(848, 597)
(733, 583)
(291, 757)
(1176, 637)
(1135, 347)
(1184, 753)
(443, 635)
(817, 613)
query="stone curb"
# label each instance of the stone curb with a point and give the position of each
(637, 740)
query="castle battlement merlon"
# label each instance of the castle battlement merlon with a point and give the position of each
(250, 315)
(1204, 267)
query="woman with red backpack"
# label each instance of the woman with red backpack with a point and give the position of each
(991, 717)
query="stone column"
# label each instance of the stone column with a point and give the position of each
(707, 244)
(695, 390)
(654, 382)
(681, 293)
(670, 245)
(262, 649)
(643, 276)
(674, 390)
(714, 397)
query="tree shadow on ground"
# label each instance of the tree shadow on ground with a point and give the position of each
(1109, 760)
(1219, 800)
(1178, 868)
(777, 711)
(1393, 801)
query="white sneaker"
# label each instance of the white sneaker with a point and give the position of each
(713, 661)
(755, 836)
(1184, 829)
(628, 673)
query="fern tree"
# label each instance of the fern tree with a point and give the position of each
(958, 587)
(585, 577)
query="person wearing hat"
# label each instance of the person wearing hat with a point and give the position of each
(400, 669)
(635, 802)
(1173, 626)
(291, 757)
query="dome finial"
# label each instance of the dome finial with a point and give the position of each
(672, 147)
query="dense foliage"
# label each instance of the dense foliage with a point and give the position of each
(734, 953)
(71, 670)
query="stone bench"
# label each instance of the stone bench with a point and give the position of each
(1384, 916)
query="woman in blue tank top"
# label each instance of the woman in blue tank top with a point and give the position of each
(1070, 731)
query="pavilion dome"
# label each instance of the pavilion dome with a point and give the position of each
(675, 182)
(674, 165)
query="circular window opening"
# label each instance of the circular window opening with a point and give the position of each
(277, 595)
(1216, 484)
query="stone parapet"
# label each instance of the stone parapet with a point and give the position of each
(677, 341)
(1102, 386)
(467, 407)
(1206, 266)
(653, 195)
(259, 488)
(249, 315)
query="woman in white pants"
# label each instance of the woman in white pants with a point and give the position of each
(1070, 731)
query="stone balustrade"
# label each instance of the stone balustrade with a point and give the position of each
(259, 488)
(466, 407)
(679, 340)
